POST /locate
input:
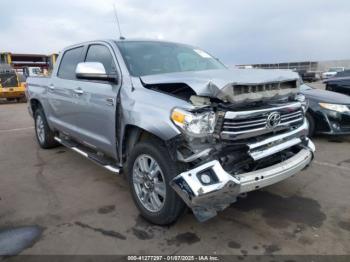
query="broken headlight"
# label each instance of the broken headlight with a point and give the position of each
(303, 100)
(197, 124)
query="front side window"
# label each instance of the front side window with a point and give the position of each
(343, 74)
(69, 62)
(100, 53)
(150, 57)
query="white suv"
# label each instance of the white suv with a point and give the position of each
(332, 72)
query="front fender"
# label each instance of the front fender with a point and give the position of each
(150, 111)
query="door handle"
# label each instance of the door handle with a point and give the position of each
(79, 91)
(51, 87)
(110, 101)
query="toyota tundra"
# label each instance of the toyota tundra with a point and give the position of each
(185, 129)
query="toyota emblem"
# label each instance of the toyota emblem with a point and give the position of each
(273, 120)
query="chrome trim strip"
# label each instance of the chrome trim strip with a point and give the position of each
(240, 114)
(243, 132)
(244, 126)
(259, 154)
(273, 139)
(293, 113)
(112, 169)
(245, 122)
(58, 139)
(289, 117)
(289, 122)
(81, 152)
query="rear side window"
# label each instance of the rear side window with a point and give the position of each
(100, 53)
(69, 63)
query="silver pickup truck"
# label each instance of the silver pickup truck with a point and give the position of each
(184, 128)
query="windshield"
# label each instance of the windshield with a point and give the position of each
(304, 87)
(149, 58)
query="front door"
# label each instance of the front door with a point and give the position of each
(97, 101)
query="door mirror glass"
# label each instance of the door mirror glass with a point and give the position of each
(94, 71)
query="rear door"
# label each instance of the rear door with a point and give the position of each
(63, 111)
(97, 102)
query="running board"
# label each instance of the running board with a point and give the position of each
(93, 157)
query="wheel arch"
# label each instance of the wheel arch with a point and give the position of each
(35, 104)
(134, 134)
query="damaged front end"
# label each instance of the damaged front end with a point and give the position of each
(210, 187)
(245, 148)
(246, 130)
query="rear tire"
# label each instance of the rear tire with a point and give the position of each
(44, 134)
(311, 121)
(145, 158)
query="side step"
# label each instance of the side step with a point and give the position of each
(90, 155)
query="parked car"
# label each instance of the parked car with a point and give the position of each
(332, 72)
(311, 76)
(328, 112)
(340, 83)
(183, 127)
(32, 71)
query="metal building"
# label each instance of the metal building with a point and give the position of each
(303, 66)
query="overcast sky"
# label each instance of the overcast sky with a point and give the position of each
(237, 32)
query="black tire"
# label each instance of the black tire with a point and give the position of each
(173, 205)
(311, 122)
(46, 141)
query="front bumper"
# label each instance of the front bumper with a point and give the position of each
(12, 92)
(207, 199)
(333, 123)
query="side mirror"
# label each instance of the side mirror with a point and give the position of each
(94, 71)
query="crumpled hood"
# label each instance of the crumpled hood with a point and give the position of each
(219, 83)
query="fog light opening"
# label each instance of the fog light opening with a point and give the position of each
(207, 177)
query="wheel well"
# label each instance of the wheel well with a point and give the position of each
(35, 104)
(133, 135)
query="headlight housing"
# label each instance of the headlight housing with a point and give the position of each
(196, 124)
(335, 107)
(303, 100)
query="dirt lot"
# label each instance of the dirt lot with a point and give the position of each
(77, 207)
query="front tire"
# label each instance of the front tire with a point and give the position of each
(44, 134)
(150, 170)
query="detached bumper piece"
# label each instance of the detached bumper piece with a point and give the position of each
(208, 188)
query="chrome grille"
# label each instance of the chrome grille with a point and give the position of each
(244, 124)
